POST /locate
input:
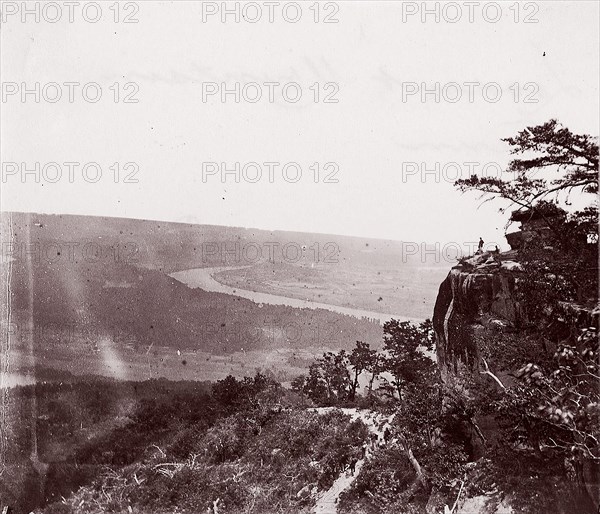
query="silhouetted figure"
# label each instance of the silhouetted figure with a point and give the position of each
(480, 247)
(496, 255)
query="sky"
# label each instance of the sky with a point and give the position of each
(374, 139)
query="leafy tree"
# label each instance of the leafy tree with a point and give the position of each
(563, 401)
(227, 391)
(336, 375)
(550, 146)
(361, 359)
(315, 386)
(248, 393)
(334, 378)
(404, 345)
(375, 368)
(298, 385)
(427, 431)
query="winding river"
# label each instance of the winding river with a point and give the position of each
(204, 278)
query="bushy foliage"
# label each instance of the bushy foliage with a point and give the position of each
(247, 393)
(249, 462)
(381, 486)
(82, 427)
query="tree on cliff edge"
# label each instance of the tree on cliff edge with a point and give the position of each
(552, 164)
(545, 148)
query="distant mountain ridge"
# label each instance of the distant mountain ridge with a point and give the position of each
(173, 246)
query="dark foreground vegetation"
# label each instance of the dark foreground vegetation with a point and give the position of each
(161, 446)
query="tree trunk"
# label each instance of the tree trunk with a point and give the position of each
(399, 389)
(354, 386)
(417, 467)
(371, 383)
(414, 462)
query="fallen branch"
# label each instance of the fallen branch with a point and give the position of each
(158, 448)
(167, 464)
(477, 430)
(488, 372)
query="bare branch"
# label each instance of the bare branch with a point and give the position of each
(489, 373)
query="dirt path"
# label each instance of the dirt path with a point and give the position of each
(376, 423)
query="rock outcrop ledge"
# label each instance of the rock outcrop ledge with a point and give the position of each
(479, 294)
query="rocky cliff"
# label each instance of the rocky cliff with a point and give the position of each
(478, 295)
(481, 323)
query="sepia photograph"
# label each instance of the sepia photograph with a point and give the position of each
(299, 257)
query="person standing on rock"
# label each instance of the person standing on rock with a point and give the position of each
(480, 247)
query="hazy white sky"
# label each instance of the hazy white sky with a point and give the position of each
(369, 133)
